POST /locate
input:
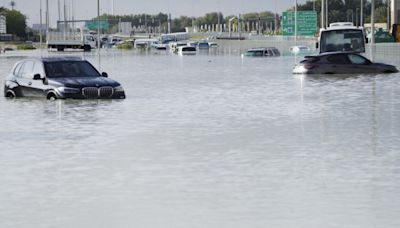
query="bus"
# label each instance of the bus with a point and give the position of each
(342, 36)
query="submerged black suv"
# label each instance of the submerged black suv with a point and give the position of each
(60, 78)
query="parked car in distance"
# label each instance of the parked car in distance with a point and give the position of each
(298, 50)
(340, 63)
(60, 78)
(186, 50)
(203, 44)
(263, 52)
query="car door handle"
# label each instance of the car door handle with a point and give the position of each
(30, 83)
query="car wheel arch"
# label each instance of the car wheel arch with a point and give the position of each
(10, 94)
(51, 95)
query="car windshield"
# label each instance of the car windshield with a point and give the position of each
(254, 53)
(70, 69)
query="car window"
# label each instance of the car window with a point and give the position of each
(270, 53)
(70, 69)
(38, 68)
(27, 70)
(17, 69)
(339, 59)
(356, 59)
(276, 52)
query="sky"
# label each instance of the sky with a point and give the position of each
(87, 9)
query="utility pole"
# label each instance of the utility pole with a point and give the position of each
(295, 22)
(326, 14)
(65, 19)
(59, 12)
(322, 13)
(47, 19)
(388, 15)
(98, 25)
(169, 23)
(362, 14)
(372, 29)
(41, 26)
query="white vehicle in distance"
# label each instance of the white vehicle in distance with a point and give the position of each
(300, 50)
(187, 50)
(341, 36)
(71, 40)
(263, 52)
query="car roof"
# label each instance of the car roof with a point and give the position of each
(60, 59)
(332, 53)
(262, 48)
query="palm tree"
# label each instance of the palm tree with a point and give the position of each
(12, 4)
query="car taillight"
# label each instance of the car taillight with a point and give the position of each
(309, 66)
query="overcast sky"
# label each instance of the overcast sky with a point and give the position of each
(87, 9)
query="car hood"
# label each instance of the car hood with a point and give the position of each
(80, 82)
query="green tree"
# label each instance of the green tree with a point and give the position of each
(16, 23)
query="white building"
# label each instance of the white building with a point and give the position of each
(3, 27)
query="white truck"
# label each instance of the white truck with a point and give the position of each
(341, 36)
(71, 40)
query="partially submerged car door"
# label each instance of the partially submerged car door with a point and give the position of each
(362, 65)
(338, 64)
(38, 86)
(29, 86)
(22, 78)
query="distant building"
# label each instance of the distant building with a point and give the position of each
(38, 27)
(3, 23)
(125, 28)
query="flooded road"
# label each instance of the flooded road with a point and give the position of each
(212, 140)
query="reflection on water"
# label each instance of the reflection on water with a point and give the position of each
(212, 140)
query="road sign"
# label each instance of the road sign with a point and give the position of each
(92, 25)
(306, 23)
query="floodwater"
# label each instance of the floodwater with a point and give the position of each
(212, 140)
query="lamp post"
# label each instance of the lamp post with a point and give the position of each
(326, 14)
(322, 13)
(47, 19)
(98, 26)
(295, 22)
(372, 29)
(41, 25)
(362, 14)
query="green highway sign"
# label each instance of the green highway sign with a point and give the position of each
(306, 23)
(92, 25)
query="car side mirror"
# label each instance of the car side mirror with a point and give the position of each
(37, 77)
(366, 40)
(104, 74)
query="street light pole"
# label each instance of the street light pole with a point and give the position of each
(362, 14)
(47, 19)
(98, 26)
(41, 26)
(326, 14)
(372, 29)
(322, 13)
(295, 22)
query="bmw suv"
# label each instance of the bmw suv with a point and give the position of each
(60, 78)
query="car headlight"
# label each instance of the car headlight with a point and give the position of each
(68, 90)
(118, 89)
